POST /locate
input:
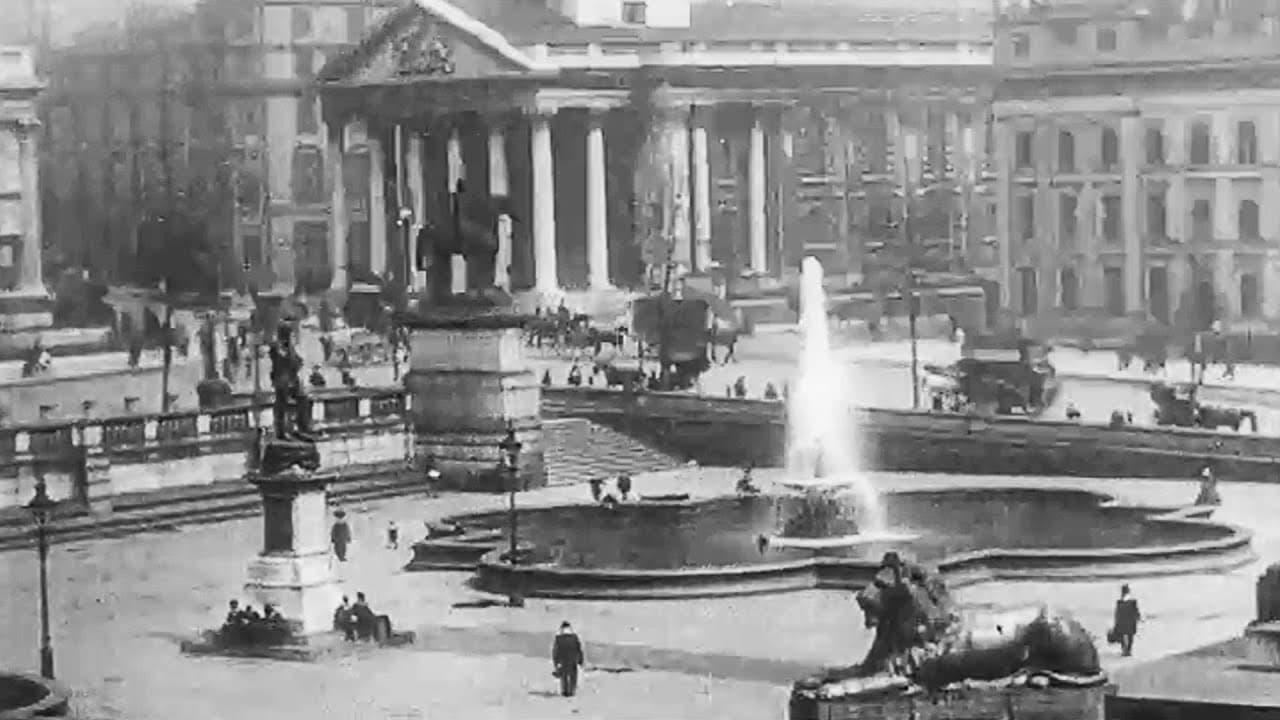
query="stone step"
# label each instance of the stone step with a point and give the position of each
(578, 450)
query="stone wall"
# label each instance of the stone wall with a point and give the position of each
(91, 462)
(726, 431)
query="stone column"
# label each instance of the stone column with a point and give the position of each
(30, 278)
(457, 173)
(757, 235)
(377, 204)
(700, 169)
(338, 208)
(675, 126)
(597, 209)
(1132, 206)
(500, 187)
(544, 207)
(418, 201)
(1004, 209)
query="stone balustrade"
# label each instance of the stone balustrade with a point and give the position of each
(92, 460)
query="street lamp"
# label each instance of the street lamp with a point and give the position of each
(41, 509)
(510, 448)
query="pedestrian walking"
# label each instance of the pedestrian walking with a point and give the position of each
(340, 535)
(567, 658)
(393, 535)
(1125, 626)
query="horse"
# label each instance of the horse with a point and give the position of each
(1213, 417)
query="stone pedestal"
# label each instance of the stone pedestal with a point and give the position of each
(294, 573)
(469, 378)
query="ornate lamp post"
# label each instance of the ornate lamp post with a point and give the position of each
(510, 448)
(41, 509)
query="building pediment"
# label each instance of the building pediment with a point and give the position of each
(429, 39)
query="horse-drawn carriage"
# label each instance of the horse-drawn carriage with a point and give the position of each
(1006, 373)
(1178, 405)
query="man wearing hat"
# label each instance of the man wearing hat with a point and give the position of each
(566, 656)
(340, 535)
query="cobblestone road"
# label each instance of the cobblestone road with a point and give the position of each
(122, 605)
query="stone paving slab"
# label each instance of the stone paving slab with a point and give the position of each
(122, 605)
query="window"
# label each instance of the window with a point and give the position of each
(634, 13)
(1154, 142)
(1156, 216)
(304, 63)
(355, 24)
(1202, 219)
(1198, 154)
(1029, 291)
(308, 123)
(1021, 45)
(301, 20)
(1110, 149)
(1106, 39)
(1113, 283)
(1066, 151)
(1246, 143)
(1068, 205)
(308, 175)
(1112, 227)
(1250, 295)
(1247, 220)
(1024, 154)
(1158, 293)
(1065, 32)
(1069, 289)
(251, 251)
(1026, 217)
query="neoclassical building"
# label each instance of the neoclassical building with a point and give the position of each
(1138, 154)
(23, 300)
(614, 133)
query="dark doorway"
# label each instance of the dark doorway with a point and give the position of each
(1158, 293)
(1113, 281)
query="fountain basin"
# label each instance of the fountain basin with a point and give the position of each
(25, 696)
(709, 547)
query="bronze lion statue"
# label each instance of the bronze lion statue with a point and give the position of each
(922, 640)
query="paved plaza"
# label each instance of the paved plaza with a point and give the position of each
(122, 605)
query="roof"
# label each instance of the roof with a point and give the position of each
(529, 22)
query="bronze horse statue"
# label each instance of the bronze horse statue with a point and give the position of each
(922, 640)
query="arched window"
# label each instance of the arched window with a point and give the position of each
(1247, 220)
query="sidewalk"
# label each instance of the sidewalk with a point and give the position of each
(1075, 364)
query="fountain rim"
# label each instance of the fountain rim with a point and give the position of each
(1230, 551)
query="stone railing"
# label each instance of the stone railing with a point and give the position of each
(95, 459)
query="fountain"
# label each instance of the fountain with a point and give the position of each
(839, 506)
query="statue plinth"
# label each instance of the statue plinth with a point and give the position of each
(294, 571)
(469, 379)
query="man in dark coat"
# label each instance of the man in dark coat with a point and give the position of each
(1126, 620)
(567, 657)
(340, 536)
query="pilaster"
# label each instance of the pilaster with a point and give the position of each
(377, 204)
(31, 279)
(338, 223)
(1131, 202)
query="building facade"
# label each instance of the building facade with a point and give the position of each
(23, 300)
(1138, 157)
(742, 135)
